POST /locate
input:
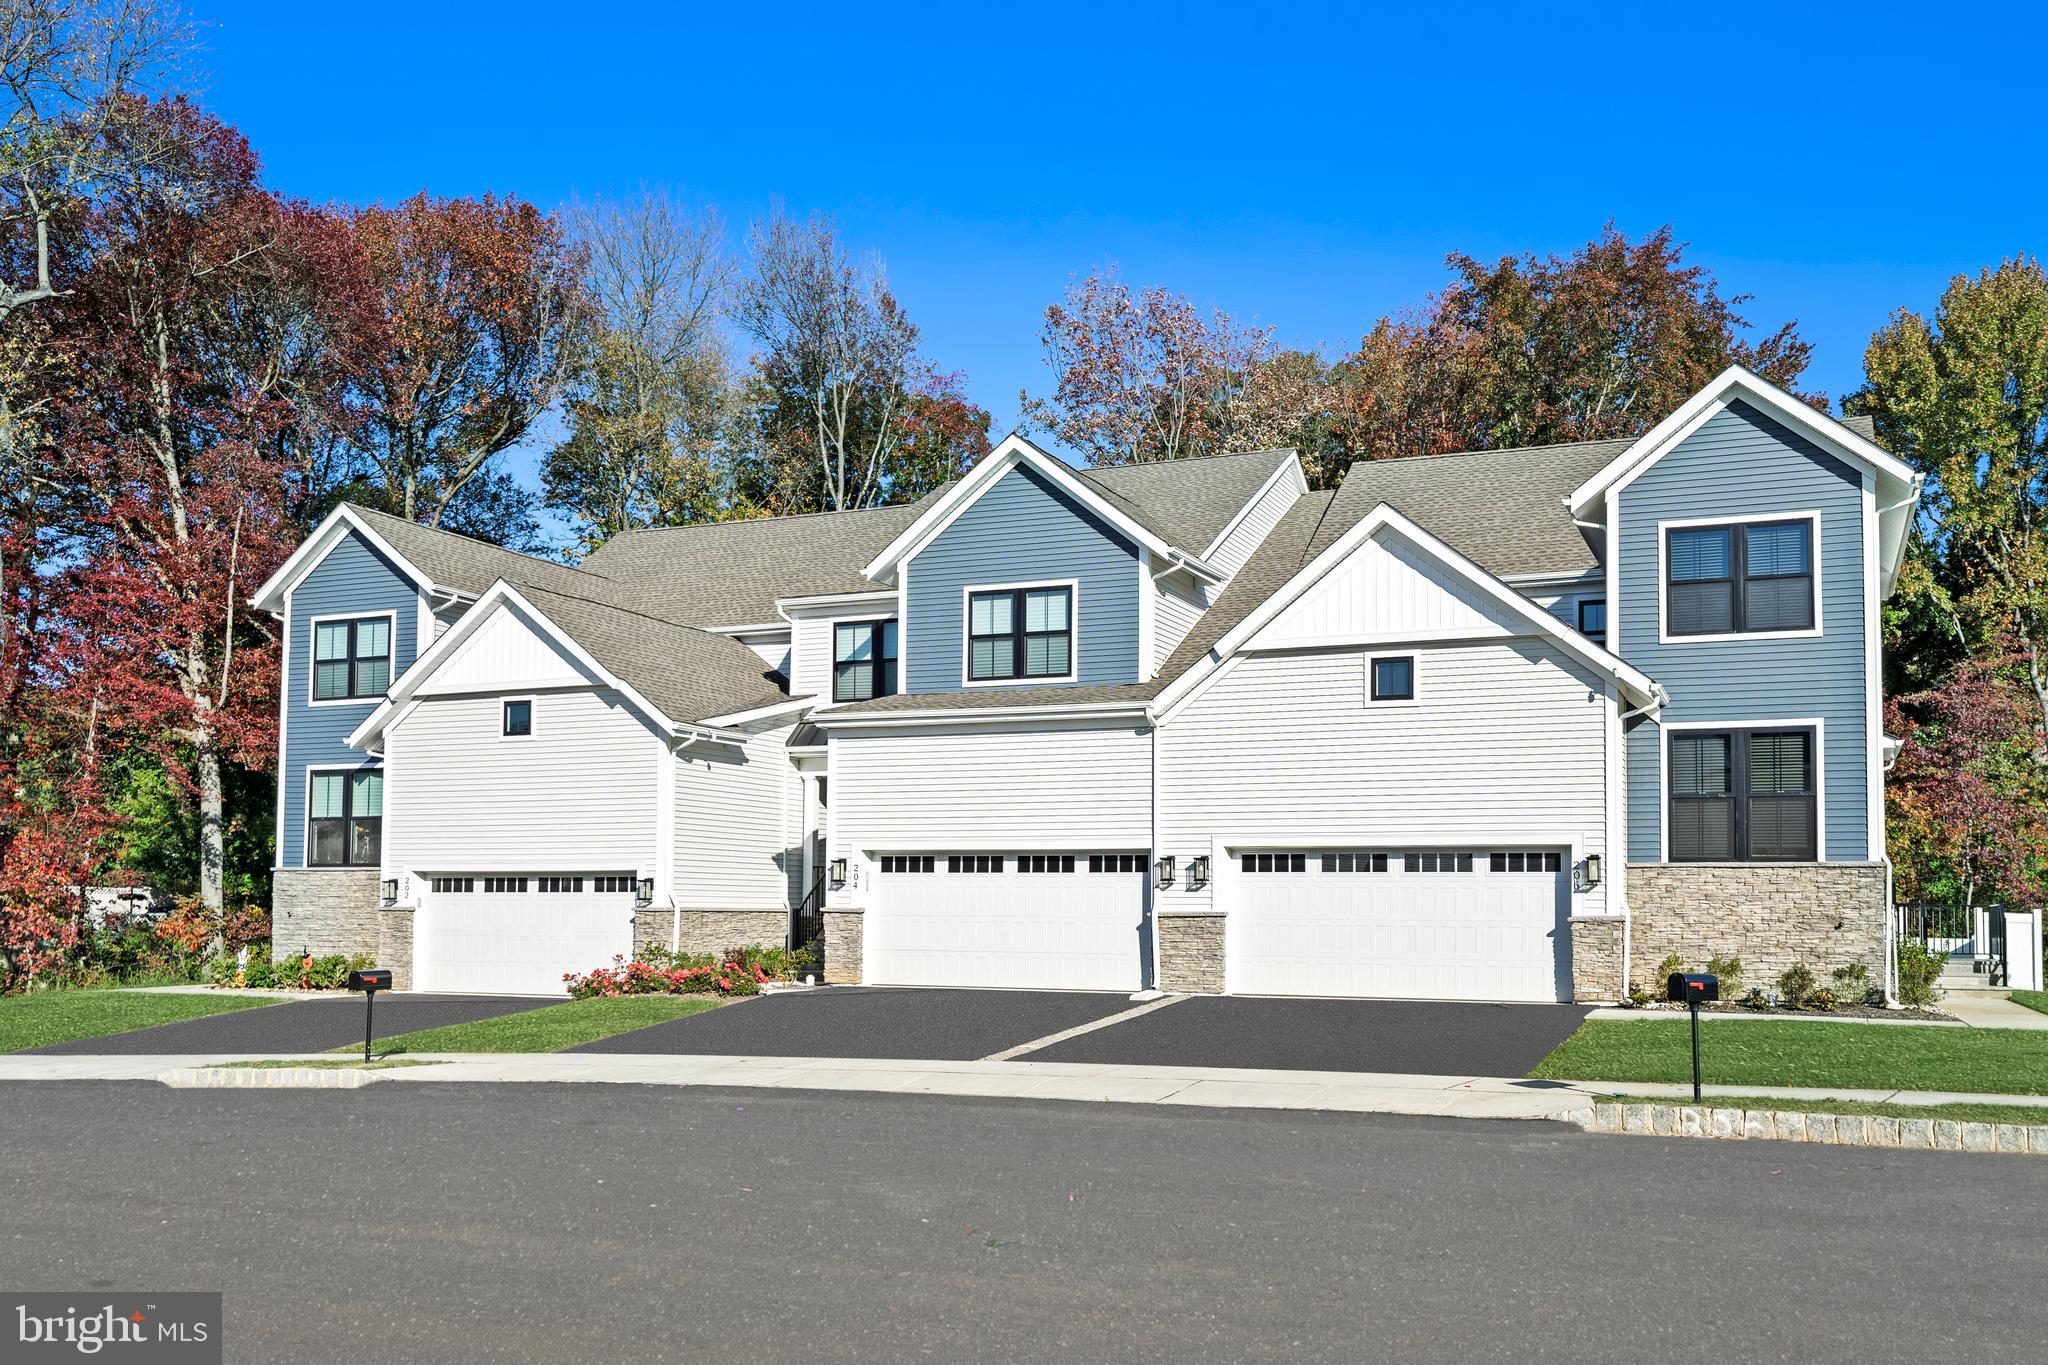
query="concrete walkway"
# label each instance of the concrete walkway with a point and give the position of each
(1985, 1009)
(1221, 1087)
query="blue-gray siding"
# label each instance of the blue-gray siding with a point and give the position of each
(1023, 529)
(353, 579)
(1742, 463)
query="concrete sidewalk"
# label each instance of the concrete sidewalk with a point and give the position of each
(1220, 1087)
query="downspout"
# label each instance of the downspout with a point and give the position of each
(1152, 973)
(1659, 698)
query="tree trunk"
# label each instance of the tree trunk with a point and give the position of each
(212, 810)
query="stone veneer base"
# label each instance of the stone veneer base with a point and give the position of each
(325, 911)
(1191, 953)
(1771, 915)
(714, 931)
(394, 944)
(843, 932)
(1596, 959)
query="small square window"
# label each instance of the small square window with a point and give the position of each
(1593, 619)
(518, 717)
(1393, 679)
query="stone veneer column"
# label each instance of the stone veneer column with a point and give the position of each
(1596, 959)
(324, 911)
(394, 944)
(652, 928)
(1191, 951)
(1771, 915)
(843, 930)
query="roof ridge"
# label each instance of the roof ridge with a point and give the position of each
(1186, 459)
(477, 541)
(756, 521)
(623, 610)
(1496, 450)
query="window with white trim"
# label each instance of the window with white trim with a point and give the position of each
(1393, 678)
(518, 719)
(351, 659)
(1739, 579)
(1743, 796)
(1020, 633)
(1593, 619)
(345, 818)
(863, 660)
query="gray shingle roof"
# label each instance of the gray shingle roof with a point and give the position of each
(731, 573)
(1188, 503)
(690, 674)
(471, 565)
(1503, 509)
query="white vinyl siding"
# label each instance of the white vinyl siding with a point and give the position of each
(579, 792)
(1246, 537)
(811, 646)
(1506, 744)
(1017, 790)
(733, 814)
(1174, 613)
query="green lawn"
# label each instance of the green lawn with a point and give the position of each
(2033, 1000)
(1844, 1056)
(1961, 1113)
(44, 1017)
(550, 1029)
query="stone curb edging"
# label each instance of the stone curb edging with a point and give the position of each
(1841, 1130)
(267, 1078)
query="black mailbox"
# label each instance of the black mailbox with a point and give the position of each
(1692, 988)
(380, 980)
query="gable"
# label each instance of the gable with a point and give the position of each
(1388, 588)
(506, 653)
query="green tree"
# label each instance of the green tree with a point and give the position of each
(1964, 397)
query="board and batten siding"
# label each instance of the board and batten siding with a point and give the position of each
(1247, 535)
(1742, 463)
(1022, 530)
(1506, 743)
(1062, 787)
(734, 807)
(577, 795)
(352, 579)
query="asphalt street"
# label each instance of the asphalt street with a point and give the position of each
(429, 1222)
(299, 1025)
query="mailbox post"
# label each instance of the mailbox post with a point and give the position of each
(369, 983)
(1694, 988)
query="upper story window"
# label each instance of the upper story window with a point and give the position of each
(1593, 618)
(1744, 796)
(351, 658)
(518, 718)
(1393, 678)
(863, 660)
(345, 818)
(1015, 633)
(1740, 579)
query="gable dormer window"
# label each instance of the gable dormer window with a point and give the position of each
(1745, 578)
(351, 658)
(863, 660)
(1020, 634)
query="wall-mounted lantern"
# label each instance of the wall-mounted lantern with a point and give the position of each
(387, 891)
(643, 894)
(1198, 870)
(1166, 870)
(1592, 869)
(838, 872)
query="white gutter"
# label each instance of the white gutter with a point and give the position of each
(825, 720)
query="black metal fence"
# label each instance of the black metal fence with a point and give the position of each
(1929, 922)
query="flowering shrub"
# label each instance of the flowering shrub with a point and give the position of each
(678, 974)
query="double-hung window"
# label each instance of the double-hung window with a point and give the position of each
(863, 660)
(1020, 633)
(1745, 579)
(351, 659)
(345, 818)
(1744, 796)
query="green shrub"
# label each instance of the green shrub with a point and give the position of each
(1755, 999)
(1822, 998)
(1796, 986)
(1918, 970)
(1729, 970)
(1672, 963)
(1852, 985)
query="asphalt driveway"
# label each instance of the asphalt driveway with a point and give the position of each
(1415, 1037)
(299, 1025)
(867, 1021)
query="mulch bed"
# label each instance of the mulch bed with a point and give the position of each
(1916, 1014)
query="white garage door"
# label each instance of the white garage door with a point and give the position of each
(1040, 921)
(1435, 924)
(518, 934)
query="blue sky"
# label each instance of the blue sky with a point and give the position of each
(1303, 166)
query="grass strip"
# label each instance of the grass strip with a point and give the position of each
(1817, 1056)
(2036, 1001)
(1884, 1109)
(550, 1029)
(41, 1018)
